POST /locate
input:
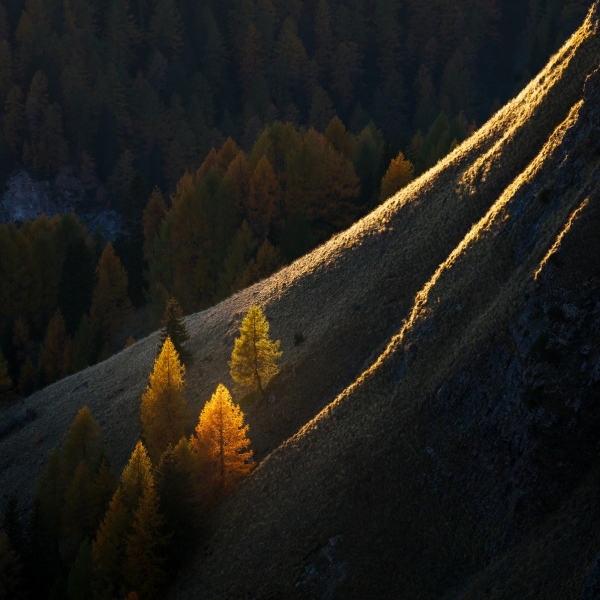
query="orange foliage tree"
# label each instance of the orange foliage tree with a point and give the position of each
(221, 439)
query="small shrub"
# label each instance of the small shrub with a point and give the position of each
(298, 338)
(545, 196)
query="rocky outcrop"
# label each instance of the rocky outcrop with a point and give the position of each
(27, 198)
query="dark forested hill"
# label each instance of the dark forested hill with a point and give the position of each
(111, 86)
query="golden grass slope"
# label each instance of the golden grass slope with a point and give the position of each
(348, 297)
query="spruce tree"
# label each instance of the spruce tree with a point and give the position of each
(81, 575)
(174, 327)
(221, 439)
(164, 411)
(254, 358)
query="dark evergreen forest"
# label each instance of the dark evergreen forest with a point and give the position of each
(112, 87)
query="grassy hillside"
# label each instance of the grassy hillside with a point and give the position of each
(379, 493)
(443, 455)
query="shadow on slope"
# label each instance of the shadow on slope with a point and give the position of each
(435, 460)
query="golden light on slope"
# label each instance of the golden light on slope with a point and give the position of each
(574, 216)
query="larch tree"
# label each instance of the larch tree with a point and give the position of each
(164, 411)
(154, 213)
(399, 174)
(221, 439)
(265, 197)
(174, 327)
(55, 354)
(136, 475)
(254, 358)
(143, 567)
(110, 302)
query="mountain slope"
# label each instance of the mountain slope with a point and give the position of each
(394, 486)
(465, 457)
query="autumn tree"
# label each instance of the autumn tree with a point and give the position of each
(221, 438)
(81, 347)
(265, 196)
(110, 544)
(174, 327)
(254, 358)
(143, 567)
(266, 262)
(55, 354)
(153, 215)
(164, 411)
(110, 302)
(399, 174)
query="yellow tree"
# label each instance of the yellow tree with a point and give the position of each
(399, 174)
(55, 354)
(110, 302)
(165, 413)
(254, 358)
(221, 439)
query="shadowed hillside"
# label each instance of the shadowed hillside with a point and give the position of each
(430, 459)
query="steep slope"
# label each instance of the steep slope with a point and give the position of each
(344, 307)
(463, 463)
(348, 298)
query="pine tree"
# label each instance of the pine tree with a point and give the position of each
(7, 389)
(174, 327)
(399, 174)
(164, 409)
(254, 358)
(221, 438)
(55, 354)
(110, 302)
(143, 567)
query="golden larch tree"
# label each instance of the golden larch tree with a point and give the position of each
(221, 440)
(110, 301)
(135, 476)
(399, 174)
(254, 358)
(165, 414)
